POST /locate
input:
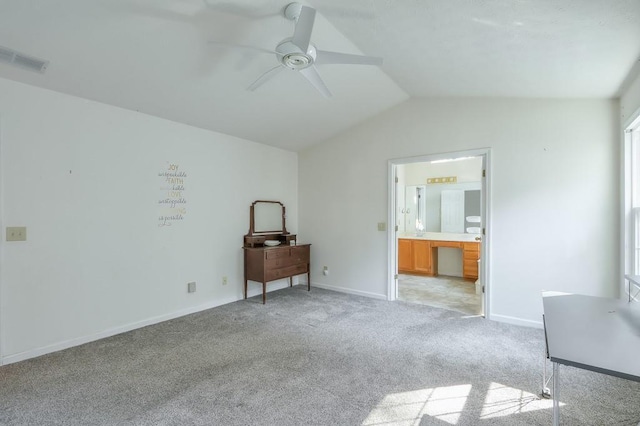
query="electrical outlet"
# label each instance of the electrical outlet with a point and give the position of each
(325, 270)
(191, 287)
(224, 281)
(16, 233)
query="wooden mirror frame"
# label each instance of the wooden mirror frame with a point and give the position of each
(253, 239)
(252, 219)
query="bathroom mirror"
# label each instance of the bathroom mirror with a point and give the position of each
(267, 217)
(449, 206)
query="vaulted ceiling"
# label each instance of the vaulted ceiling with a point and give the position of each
(156, 56)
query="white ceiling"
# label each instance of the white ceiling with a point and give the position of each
(153, 56)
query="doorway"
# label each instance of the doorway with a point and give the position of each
(631, 210)
(438, 233)
(1, 252)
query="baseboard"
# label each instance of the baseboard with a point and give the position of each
(32, 353)
(350, 291)
(10, 359)
(255, 288)
(516, 321)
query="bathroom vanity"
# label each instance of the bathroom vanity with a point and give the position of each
(418, 255)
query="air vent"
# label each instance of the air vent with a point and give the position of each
(18, 59)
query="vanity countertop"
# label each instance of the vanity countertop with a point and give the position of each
(440, 236)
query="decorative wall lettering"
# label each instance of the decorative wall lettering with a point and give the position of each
(172, 202)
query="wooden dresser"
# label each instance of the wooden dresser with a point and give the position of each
(264, 264)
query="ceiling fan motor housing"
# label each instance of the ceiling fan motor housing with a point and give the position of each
(293, 58)
(297, 53)
(292, 11)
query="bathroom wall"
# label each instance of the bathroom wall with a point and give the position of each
(468, 173)
(434, 200)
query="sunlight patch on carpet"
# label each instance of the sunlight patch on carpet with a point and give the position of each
(407, 408)
(503, 401)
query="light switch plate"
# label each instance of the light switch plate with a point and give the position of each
(382, 226)
(16, 233)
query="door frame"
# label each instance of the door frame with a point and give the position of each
(485, 265)
(627, 184)
(2, 246)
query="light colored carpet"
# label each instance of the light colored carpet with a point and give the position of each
(441, 292)
(310, 358)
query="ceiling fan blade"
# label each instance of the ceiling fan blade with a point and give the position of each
(242, 46)
(266, 76)
(228, 7)
(304, 26)
(325, 57)
(311, 74)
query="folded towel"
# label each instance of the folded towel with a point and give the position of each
(473, 219)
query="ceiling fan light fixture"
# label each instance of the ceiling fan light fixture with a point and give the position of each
(297, 53)
(296, 61)
(293, 58)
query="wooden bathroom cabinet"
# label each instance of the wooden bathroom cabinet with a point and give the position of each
(420, 257)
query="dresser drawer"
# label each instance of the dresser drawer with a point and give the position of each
(471, 247)
(301, 254)
(471, 255)
(281, 262)
(286, 272)
(277, 253)
(452, 244)
(253, 240)
(470, 267)
(297, 255)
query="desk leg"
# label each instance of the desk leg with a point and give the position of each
(308, 279)
(245, 288)
(546, 392)
(264, 293)
(556, 400)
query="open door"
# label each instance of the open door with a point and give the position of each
(437, 256)
(397, 209)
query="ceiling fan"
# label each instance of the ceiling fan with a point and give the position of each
(297, 53)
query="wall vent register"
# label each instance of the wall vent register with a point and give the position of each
(17, 59)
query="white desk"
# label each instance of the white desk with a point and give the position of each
(592, 333)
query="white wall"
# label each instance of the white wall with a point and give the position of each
(468, 173)
(630, 100)
(629, 110)
(468, 170)
(555, 203)
(83, 178)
